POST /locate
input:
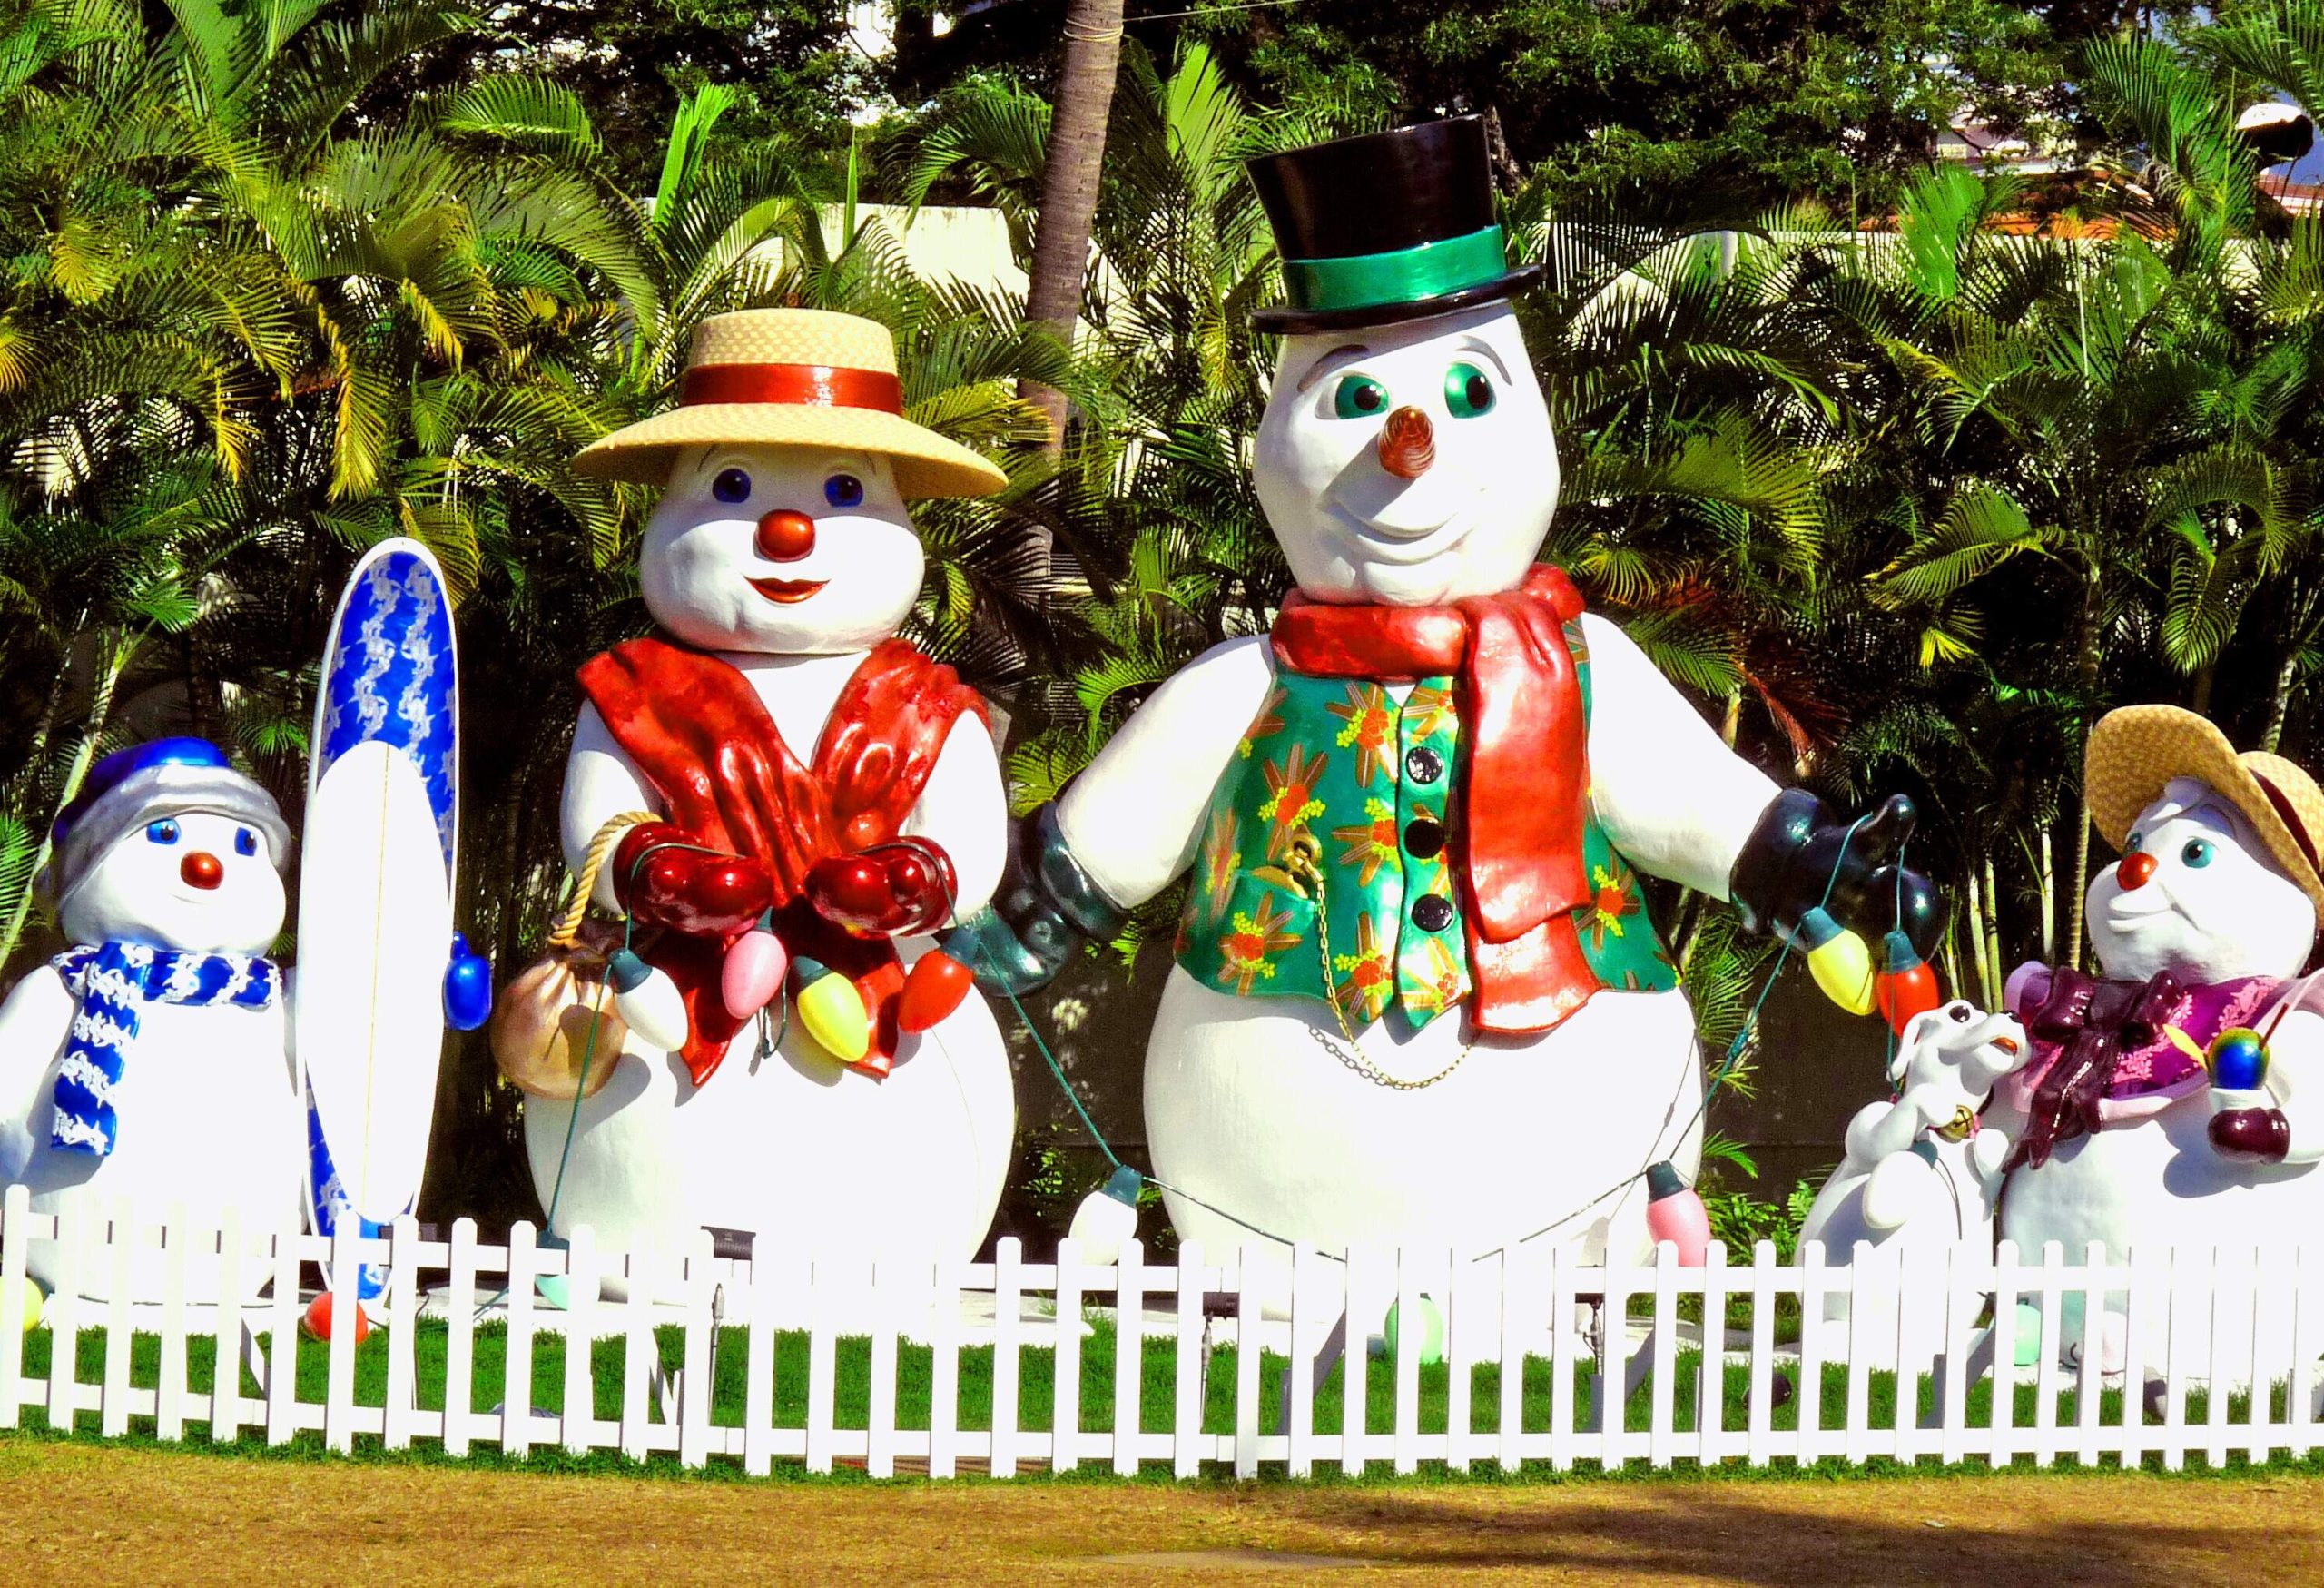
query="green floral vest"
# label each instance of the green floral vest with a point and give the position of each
(1340, 797)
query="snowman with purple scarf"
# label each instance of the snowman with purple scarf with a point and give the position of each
(151, 1060)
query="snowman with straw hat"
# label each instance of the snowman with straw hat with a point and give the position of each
(782, 799)
(2177, 1098)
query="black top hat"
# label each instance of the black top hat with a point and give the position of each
(1385, 227)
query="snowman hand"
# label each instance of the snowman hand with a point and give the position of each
(1800, 855)
(891, 890)
(1045, 909)
(663, 878)
(468, 986)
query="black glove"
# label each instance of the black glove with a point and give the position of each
(1789, 860)
(1045, 908)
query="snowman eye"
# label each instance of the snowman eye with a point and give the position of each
(1358, 396)
(161, 831)
(245, 841)
(731, 486)
(843, 490)
(2197, 855)
(2135, 844)
(1467, 391)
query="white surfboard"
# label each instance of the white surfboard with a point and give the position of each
(375, 891)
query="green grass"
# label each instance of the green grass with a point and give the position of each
(1036, 1389)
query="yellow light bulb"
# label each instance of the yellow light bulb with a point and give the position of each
(1842, 966)
(834, 1013)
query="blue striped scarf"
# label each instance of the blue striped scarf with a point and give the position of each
(113, 981)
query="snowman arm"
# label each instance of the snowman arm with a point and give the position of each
(601, 781)
(964, 810)
(1132, 819)
(34, 1022)
(1669, 793)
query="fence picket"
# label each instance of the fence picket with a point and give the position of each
(516, 1379)
(2307, 1344)
(1863, 1281)
(1564, 1310)
(2174, 1381)
(641, 1352)
(170, 1373)
(1008, 1289)
(879, 1432)
(15, 1239)
(1610, 1372)
(1065, 1398)
(1950, 1384)
(2139, 1330)
(2046, 1366)
(403, 1318)
(1664, 1344)
(758, 1364)
(1356, 1368)
(2216, 1393)
(1410, 1334)
(1710, 1378)
(226, 1363)
(699, 1389)
(2088, 1379)
(944, 1374)
(1760, 1450)
(1814, 1343)
(113, 1405)
(2002, 1419)
(1510, 1438)
(1460, 1359)
(282, 1339)
(1129, 1357)
(577, 1407)
(63, 1312)
(339, 1398)
(459, 1336)
(1250, 1362)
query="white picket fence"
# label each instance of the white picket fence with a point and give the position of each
(1649, 1385)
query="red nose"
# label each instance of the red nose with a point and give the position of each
(786, 535)
(202, 869)
(2133, 869)
(1407, 444)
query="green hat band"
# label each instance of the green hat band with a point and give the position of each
(1402, 275)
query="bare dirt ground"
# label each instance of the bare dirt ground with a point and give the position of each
(83, 1515)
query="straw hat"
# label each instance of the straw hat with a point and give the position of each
(793, 378)
(2136, 751)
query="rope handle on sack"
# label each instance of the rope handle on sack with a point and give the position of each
(568, 930)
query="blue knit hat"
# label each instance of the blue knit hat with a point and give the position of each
(132, 787)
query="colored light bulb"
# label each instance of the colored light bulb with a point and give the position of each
(1906, 988)
(468, 987)
(1107, 1218)
(318, 1322)
(752, 973)
(2238, 1059)
(1429, 1340)
(1675, 1213)
(937, 986)
(649, 1001)
(1838, 959)
(830, 1009)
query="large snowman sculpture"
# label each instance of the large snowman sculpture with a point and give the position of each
(150, 1062)
(1416, 1000)
(2122, 1136)
(801, 758)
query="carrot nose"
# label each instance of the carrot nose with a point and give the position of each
(786, 535)
(201, 869)
(2133, 869)
(1407, 444)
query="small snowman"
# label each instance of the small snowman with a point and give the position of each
(2200, 929)
(1416, 1000)
(825, 797)
(1920, 1173)
(151, 1060)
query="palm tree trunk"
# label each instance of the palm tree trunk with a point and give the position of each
(2086, 675)
(1076, 152)
(2279, 700)
(2049, 897)
(1989, 938)
(1975, 923)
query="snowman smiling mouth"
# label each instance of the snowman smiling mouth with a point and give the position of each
(788, 591)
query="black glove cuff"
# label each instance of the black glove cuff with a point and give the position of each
(1769, 886)
(1072, 890)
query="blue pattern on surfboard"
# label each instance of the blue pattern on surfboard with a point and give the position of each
(333, 1207)
(390, 679)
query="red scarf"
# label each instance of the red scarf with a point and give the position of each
(1525, 795)
(701, 737)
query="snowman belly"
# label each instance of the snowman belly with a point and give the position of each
(209, 1119)
(2147, 1187)
(1246, 1110)
(793, 1147)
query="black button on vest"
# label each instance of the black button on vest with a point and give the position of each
(1423, 839)
(1432, 912)
(1423, 764)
